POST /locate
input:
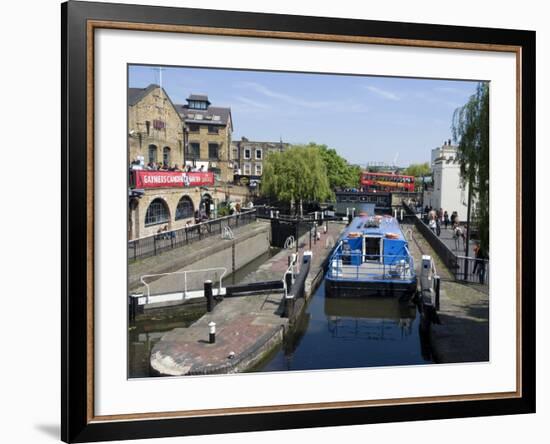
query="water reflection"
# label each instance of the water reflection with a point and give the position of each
(355, 332)
(373, 318)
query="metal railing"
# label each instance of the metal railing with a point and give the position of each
(460, 266)
(206, 272)
(168, 240)
(471, 269)
(357, 266)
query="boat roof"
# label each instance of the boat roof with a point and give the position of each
(362, 224)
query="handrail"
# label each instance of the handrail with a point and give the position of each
(194, 226)
(404, 264)
(185, 278)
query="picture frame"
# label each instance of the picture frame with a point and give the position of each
(80, 20)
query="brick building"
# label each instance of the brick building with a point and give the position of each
(207, 136)
(249, 156)
(155, 129)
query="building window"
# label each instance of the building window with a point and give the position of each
(247, 153)
(152, 154)
(194, 128)
(213, 151)
(148, 127)
(259, 153)
(217, 172)
(185, 208)
(194, 150)
(246, 169)
(258, 169)
(213, 129)
(196, 104)
(158, 124)
(166, 156)
(157, 213)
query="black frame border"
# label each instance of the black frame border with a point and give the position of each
(75, 426)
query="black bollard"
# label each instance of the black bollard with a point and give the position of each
(437, 282)
(208, 295)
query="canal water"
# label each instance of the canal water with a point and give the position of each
(147, 331)
(351, 333)
(333, 333)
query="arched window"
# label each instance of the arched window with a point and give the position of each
(185, 208)
(152, 153)
(166, 156)
(206, 201)
(157, 213)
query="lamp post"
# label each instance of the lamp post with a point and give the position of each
(185, 144)
(467, 247)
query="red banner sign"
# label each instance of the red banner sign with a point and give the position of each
(163, 179)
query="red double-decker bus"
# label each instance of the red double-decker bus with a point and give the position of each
(386, 182)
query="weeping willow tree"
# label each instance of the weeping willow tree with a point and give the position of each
(296, 175)
(471, 131)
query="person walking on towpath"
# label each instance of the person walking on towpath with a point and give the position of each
(479, 263)
(432, 221)
(446, 219)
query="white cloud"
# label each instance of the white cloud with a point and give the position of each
(383, 93)
(296, 101)
(252, 103)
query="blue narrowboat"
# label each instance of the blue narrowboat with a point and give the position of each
(371, 258)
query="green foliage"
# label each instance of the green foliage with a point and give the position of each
(339, 172)
(417, 169)
(471, 131)
(224, 209)
(296, 175)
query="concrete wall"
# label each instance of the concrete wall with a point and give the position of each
(229, 254)
(448, 192)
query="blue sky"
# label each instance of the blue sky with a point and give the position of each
(364, 118)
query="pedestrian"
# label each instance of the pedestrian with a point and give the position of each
(458, 234)
(479, 263)
(446, 219)
(438, 227)
(432, 224)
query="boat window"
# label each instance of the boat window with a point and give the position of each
(372, 248)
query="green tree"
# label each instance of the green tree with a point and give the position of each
(339, 172)
(471, 131)
(418, 169)
(296, 175)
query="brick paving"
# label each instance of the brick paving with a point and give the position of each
(243, 323)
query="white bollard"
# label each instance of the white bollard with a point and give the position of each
(212, 332)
